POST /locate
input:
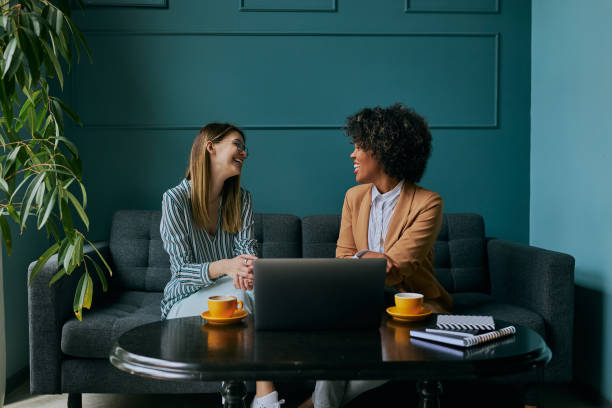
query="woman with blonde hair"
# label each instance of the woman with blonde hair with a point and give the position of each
(207, 230)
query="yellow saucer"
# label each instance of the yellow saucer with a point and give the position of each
(235, 318)
(408, 317)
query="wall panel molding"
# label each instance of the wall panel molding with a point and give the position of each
(452, 6)
(490, 123)
(329, 6)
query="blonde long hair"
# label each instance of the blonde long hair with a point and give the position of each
(199, 174)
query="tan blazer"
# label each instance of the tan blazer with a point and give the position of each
(413, 229)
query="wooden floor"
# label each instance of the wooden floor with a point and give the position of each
(558, 396)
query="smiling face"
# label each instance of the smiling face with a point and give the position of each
(366, 167)
(227, 156)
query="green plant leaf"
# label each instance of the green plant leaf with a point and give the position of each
(40, 116)
(43, 260)
(24, 113)
(67, 261)
(64, 243)
(77, 257)
(57, 276)
(100, 275)
(6, 234)
(57, 20)
(58, 114)
(9, 56)
(77, 206)
(68, 111)
(65, 41)
(48, 207)
(13, 213)
(16, 190)
(80, 41)
(40, 196)
(55, 62)
(29, 48)
(77, 167)
(80, 296)
(29, 195)
(52, 230)
(66, 217)
(12, 156)
(89, 293)
(4, 185)
(84, 193)
(71, 146)
(22, 79)
(35, 24)
(110, 271)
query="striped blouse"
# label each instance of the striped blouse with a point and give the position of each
(192, 249)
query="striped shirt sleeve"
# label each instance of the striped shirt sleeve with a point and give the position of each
(244, 240)
(175, 237)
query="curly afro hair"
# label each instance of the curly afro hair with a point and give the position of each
(398, 137)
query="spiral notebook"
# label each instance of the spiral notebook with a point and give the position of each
(461, 339)
(465, 322)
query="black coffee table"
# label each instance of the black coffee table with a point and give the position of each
(189, 349)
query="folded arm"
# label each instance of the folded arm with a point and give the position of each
(416, 240)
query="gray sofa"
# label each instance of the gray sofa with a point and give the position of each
(514, 282)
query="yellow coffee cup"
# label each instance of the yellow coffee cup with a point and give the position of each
(409, 303)
(223, 306)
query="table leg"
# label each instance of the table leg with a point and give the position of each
(233, 394)
(429, 393)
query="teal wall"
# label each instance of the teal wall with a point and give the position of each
(571, 139)
(290, 78)
(26, 248)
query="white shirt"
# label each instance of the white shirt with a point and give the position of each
(381, 212)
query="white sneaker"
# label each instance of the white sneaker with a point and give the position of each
(267, 401)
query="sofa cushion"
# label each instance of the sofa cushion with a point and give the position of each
(95, 335)
(278, 235)
(137, 252)
(481, 304)
(141, 263)
(319, 235)
(460, 254)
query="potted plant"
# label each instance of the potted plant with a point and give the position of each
(40, 169)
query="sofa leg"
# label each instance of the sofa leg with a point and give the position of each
(74, 400)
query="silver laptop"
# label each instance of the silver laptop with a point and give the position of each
(322, 293)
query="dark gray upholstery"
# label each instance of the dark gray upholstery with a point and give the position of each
(95, 335)
(543, 282)
(136, 249)
(460, 254)
(513, 282)
(278, 236)
(320, 233)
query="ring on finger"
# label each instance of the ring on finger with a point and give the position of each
(246, 261)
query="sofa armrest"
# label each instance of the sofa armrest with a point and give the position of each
(541, 281)
(48, 309)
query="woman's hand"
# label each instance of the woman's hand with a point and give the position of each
(391, 264)
(240, 269)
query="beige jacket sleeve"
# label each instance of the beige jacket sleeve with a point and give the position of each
(416, 240)
(345, 247)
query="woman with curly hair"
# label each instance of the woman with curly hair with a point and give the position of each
(389, 216)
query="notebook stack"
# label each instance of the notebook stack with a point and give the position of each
(463, 330)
